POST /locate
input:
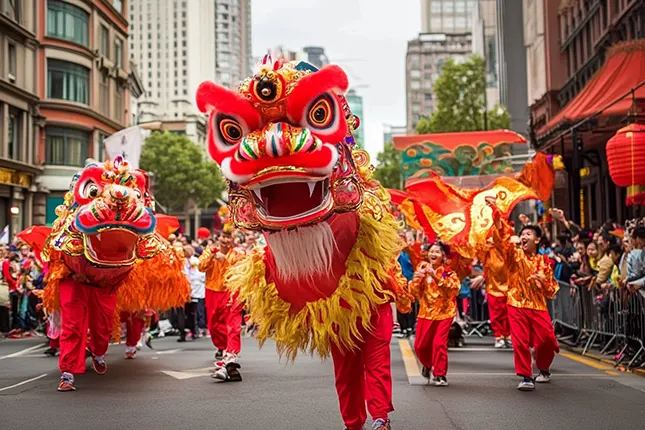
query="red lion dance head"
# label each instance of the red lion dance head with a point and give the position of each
(106, 219)
(284, 142)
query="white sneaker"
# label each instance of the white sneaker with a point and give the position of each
(509, 344)
(439, 381)
(527, 384)
(500, 343)
(543, 378)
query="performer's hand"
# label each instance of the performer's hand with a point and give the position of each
(477, 282)
(539, 279)
(418, 275)
(525, 220)
(219, 255)
(558, 214)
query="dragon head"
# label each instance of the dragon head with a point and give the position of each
(284, 142)
(106, 217)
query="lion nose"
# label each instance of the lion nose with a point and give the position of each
(277, 140)
(119, 194)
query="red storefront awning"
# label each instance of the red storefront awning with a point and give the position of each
(452, 140)
(623, 70)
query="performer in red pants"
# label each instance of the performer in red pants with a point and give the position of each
(223, 312)
(372, 359)
(436, 287)
(78, 301)
(531, 282)
(134, 323)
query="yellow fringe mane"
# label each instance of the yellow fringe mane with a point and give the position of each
(319, 324)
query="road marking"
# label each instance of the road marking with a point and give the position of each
(612, 372)
(23, 382)
(187, 374)
(588, 362)
(24, 351)
(409, 360)
(479, 349)
(168, 351)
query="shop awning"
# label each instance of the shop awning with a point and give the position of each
(623, 71)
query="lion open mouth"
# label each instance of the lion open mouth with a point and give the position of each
(291, 199)
(115, 246)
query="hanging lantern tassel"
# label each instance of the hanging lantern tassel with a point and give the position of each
(626, 159)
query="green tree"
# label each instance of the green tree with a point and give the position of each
(181, 172)
(388, 169)
(459, 94)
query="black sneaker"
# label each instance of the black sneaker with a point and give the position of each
(440, 381)
(425, 372)
(527, 384)
(544, 377)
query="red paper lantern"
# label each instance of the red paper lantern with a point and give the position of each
(626, 159)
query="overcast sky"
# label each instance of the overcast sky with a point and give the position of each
(368, 38)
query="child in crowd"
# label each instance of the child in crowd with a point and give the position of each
(436, 286)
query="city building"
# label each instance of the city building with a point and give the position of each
(173, 61)
(392, 131)
(22, 200)
(83, 85)
(424, 61)
(233, 41)
(546, 63)
(485, 45)
(282, 53)
(578, 39)
(511, 57)
(355, 103)
(447, 16)
(316, 56)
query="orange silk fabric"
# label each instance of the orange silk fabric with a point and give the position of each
(462, 217)
(436, 299)
(523, 292)
(216, 269)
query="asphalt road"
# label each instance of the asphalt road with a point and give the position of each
(170, 388)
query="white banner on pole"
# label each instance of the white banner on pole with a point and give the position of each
(127, 143)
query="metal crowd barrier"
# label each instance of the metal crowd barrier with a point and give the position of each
(609, 321)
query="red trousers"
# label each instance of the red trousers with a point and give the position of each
(363, 375)
(224, 321)
(498, 312)
(84, 307)
(532, 328)
(54, 344)
(133, 326)
(431, 344)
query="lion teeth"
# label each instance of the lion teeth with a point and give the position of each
(312, 186)
(258, 192)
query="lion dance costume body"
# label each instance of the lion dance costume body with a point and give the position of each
(105, 257)
(325, 280)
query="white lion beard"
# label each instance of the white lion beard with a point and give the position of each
(303, 253)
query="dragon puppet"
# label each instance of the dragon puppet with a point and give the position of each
(105, 257)
(325, 280)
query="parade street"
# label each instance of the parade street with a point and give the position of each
(170, 387)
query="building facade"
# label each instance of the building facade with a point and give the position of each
(22, 199)
(83, 86)
(355, 103)
(512, 64)
(582, 32)
(171, 60)
(424, 61)
(392, 131)
(447, 16)
(316, 55)
(485, 45)
(233, 41)
(546, 63)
